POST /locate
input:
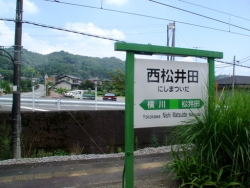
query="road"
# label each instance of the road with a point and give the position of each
(42, 103)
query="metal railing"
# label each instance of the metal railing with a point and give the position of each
(60, 102)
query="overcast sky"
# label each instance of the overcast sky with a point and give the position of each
(205, 26)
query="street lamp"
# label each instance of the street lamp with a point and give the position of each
(33, 93)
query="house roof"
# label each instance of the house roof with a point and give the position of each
(69, 76)
(66, 82)
(244, 80)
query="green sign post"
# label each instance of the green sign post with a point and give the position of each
(132, 49)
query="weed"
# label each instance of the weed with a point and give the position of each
(136, 144)
(27, 146)
(60, 152)
(155, 141)
(119, 150)
(76, 149)
(41, 153)
(5, 140)
(220, 145)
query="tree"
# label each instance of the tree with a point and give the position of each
(118, 80)
(86, 85)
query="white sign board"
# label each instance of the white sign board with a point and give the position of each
(166, 93)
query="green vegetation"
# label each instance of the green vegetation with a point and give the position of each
(61, 90)
(60, 152)
(155, 141)
(216, 150)
(76, 149)
(6, 86)
(5, 139)
(59, 63)
(119, 150)
(118, 81)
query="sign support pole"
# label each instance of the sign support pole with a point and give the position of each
(211, 90)
(129, 120)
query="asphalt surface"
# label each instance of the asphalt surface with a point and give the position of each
(77, 174)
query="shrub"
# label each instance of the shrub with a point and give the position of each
(5, 140)
(217, 146)
(76, 149)
(60, 152)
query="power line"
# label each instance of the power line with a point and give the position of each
(244, 58)
(87, 34)
(200, 15)
(149, 33)
(62, 29)
(147, 16)
(215, 10)
(232, 64)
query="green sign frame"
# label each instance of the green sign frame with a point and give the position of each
(131, 49)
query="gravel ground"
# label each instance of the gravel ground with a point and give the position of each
(163, 181)
(145, 151)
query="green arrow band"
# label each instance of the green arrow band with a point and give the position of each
(161, 104)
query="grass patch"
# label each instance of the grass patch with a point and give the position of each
(217, 146)
(5, 140)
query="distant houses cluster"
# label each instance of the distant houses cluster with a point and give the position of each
(70, 82)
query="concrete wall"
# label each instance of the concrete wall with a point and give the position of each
(60, 130)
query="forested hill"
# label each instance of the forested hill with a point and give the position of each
(59, 63)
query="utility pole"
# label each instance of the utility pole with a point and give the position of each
(171, 26)
(16, 117)
(173, 40)
(233, 77)
(168, 40)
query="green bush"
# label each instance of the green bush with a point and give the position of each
(5, 140)
(60, 152)
(216, 150)
(61, 90)
(6, 87)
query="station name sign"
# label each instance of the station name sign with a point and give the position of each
(166, 93)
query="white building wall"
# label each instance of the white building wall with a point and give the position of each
(64, 85)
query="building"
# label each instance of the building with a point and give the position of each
(239, 82)
(67, 82)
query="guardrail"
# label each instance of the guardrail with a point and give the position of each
(60, 102)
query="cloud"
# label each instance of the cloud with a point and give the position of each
(187, 59)
(90, 28)
(30, 7)
(116, 2)
(90, 46)
(70, 42)
(6, 35)
(7, 6)
(76, 43)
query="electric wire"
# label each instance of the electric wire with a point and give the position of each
(232, 64)
(62, 29)
(244, 58)
(85, 131)
(146, 16)
(215, 10)
(164, 4)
